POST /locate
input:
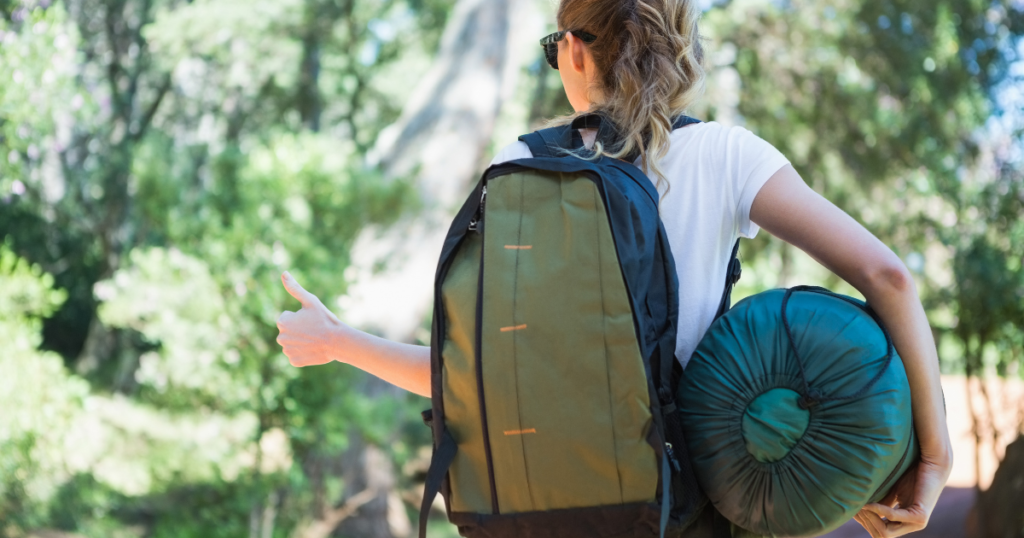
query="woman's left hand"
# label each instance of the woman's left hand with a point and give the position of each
(909, 504)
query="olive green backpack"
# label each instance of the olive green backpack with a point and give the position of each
(552, 354)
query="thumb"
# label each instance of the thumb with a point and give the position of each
(295, 290)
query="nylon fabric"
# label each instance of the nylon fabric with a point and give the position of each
(850, 448)
(631, 204)
(440, 462)
(638, 520)
(910, 458)
(546, 320)
(468, 473)
(773, 424)
(438, 326)
(666, 497)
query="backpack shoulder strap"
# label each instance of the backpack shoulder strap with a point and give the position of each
(683, 121)
(542, 143)
(732, 275)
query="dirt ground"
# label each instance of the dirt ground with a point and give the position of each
(1000, 425)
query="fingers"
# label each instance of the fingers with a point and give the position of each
(883, 511)
(871, 523)
(295, 290)
(288, 348)
(902, 515)
(896, 522)
(284, 339)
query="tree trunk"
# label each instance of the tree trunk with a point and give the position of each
(136, 89)
(998, 509)
(442, 137)
(367, 468)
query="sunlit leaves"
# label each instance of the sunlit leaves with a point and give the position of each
(40, 399)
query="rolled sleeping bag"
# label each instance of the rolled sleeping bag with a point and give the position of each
(796, 411)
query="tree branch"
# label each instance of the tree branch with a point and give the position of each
(147, 118)
(323, 527)
(114, 67)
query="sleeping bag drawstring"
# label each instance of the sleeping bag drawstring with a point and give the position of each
(810, 396)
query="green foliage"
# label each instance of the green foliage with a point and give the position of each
(164, 168)
(883, 107)
(161, 163)
(28, 294)
(38, 69)
(42, 400)
(172, 300)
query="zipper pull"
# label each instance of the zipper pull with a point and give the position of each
(672, 457)
(475, 221)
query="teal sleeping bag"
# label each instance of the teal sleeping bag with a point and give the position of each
(796, 410)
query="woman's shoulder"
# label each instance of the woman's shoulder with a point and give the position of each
(716, 141)
(714, 131)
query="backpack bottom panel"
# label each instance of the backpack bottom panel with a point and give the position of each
(637, 520)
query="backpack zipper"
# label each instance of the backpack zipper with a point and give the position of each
(672, 457)
(475, 221)
(475, 226)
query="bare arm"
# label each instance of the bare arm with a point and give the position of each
(314, 335)
(787, 208)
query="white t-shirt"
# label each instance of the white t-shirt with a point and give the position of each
(713, 173)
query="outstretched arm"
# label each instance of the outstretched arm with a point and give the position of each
(314, 335)
(788, 209)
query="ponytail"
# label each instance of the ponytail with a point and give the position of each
(651, 62)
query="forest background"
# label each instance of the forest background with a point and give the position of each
(163, 161)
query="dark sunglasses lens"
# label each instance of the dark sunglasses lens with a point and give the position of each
(551, 54)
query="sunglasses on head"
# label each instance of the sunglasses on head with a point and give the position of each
(550, 44)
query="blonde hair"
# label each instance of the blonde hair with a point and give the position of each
(651, 64)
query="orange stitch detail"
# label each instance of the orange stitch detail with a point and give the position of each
(519, 247)
(520, 432)
(513, 328)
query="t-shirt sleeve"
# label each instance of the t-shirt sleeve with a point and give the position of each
(511, 152)
(757, 162)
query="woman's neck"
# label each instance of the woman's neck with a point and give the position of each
(589, 135)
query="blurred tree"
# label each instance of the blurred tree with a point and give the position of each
(882, 106)
(166, 161)
(441, 139)
(997, 513)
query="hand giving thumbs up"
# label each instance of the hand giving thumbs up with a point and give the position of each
(307, 337)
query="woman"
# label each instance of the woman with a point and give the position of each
(639, 63)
